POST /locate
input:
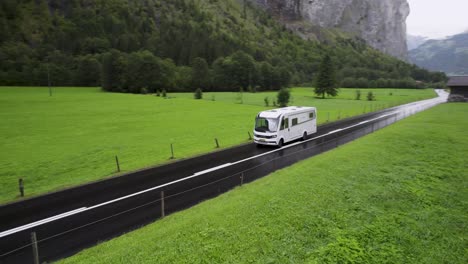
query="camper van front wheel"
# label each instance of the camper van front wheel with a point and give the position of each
(280, 143)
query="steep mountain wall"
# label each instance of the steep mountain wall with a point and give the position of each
(381, 23)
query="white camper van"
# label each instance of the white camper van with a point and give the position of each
(278, 126)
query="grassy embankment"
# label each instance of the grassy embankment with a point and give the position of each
(396, 196)
(73, 136)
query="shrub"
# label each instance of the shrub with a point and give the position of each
(158, 93)
(163, 93)
(283, 97)
(370, 96)
(267, 101)
(358, 94)
(198, 94)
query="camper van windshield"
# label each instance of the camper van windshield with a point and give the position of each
(266, 124)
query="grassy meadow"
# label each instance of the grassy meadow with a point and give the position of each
(72, 137)
(396, 196)
(344, 105)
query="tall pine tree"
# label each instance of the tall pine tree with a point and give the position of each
(200, 73)
(326, 80)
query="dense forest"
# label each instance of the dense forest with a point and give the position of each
(179, 45)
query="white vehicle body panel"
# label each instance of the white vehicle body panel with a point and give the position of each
(284, 124)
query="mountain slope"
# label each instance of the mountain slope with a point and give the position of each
(145, 45)
(415, 41)
(448, 55)
(382, 24)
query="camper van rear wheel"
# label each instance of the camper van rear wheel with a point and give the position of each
(304, 136)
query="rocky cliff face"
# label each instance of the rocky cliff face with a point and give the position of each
(381, 23)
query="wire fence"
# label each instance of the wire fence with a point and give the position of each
(66, 236)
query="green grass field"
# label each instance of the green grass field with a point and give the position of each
(73, 137)
(396, 196)
(344, 105)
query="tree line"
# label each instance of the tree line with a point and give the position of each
(141, 71)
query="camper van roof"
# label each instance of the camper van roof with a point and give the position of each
(275, 113)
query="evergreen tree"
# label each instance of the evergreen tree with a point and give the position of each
(87, 72)
(266, 75)
(198, 94)
(200, 73)
(111, 70)
(326, 80)
(243, 69)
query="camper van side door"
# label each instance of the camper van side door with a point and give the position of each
(284, 128)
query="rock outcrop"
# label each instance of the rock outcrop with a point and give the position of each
(381, 23)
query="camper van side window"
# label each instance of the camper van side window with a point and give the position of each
(294, 121)
(282, 124)
(286, 123)
(311, 115)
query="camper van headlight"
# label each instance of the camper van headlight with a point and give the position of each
(274, 136)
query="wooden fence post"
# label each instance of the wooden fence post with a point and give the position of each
(21, 187)
(34, 247)
(163, 213)
(117, 162)
(172, 152)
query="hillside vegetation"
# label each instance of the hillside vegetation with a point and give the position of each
(178, 45)
(396, 196)
(72, 137)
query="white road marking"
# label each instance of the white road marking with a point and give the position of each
(334, 131)
(212, 169)
(83, 209)
(40, 222)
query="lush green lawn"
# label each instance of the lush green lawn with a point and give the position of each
(396, 196)
(73, 136)
(343, 105)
